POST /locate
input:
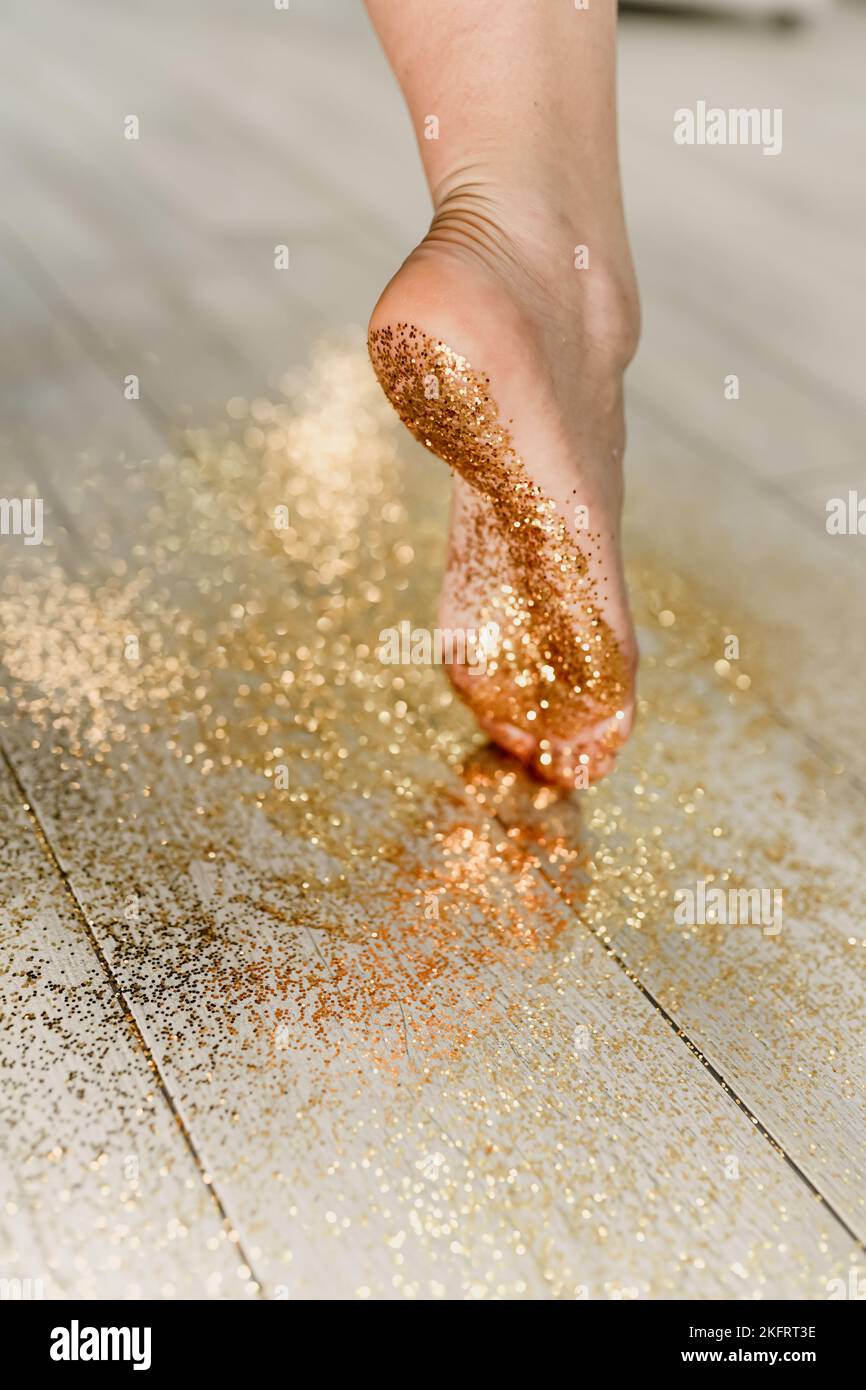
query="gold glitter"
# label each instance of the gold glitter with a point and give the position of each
(559, 668)
(408, 987)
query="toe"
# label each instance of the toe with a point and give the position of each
(587, 757)
(508, 736)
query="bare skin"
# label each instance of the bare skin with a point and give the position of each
(523, 173)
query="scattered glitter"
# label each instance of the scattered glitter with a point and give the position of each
(389, 978)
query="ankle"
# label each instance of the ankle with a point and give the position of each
(579, 281)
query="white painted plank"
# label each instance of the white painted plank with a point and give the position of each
(101, 1196)
(762, 561)
(314, 1023)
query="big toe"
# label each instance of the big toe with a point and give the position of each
(584, 757)
(587, 756)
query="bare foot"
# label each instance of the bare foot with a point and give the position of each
(507, 362)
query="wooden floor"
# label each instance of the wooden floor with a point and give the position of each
(307, 993)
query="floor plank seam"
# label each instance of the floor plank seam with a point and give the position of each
(117, 991)
(717, 1076)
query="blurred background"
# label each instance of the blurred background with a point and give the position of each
(261, 126)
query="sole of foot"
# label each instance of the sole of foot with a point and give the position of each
(518, 388)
